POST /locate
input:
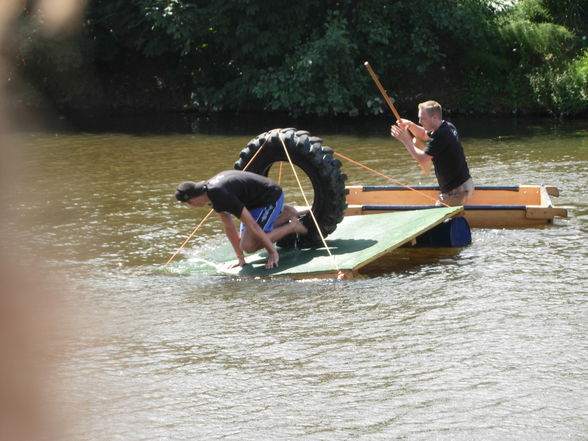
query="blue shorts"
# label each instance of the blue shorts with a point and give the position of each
(266, 216)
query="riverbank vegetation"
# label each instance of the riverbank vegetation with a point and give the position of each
(526, 57)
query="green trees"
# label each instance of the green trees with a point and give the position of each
(548, 40)
(307, 57)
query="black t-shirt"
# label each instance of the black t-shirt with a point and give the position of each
(451, 167)
(232, 190)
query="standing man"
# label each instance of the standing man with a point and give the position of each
(258, 202)
(443, 148)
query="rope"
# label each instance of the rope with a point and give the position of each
(280, 173)
(256, 153)
(340, 275)
(390, 179)
(189, 237)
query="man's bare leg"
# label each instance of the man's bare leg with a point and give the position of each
(288, 214)
(250, 244)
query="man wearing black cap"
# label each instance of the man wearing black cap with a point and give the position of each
(258, 202)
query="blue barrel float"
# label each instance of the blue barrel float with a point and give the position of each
(452, 232)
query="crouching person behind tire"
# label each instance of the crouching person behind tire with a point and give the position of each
(256, 201)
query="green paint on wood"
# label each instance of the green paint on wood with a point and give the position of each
(357, 241)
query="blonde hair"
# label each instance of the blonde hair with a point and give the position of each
(432, 108)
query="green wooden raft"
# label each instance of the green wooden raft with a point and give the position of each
(357, 241)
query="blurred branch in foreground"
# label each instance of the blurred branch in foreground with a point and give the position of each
(29, 302)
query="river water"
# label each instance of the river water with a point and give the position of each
(486, 342)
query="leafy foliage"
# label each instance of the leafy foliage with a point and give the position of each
(562, 92)
(307, 57)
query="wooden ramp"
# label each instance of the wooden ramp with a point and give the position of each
(357, 241)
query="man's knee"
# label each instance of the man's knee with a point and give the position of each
(250, 244)
(454, 199)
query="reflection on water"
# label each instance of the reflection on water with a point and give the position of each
(482, 342)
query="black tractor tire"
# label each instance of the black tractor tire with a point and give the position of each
(317, 161)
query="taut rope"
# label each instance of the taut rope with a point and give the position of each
(390, 179)
(340, 275)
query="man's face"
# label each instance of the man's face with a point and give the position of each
(427, 121)
(197, 201)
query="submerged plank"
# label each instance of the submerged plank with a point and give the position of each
(357, 241)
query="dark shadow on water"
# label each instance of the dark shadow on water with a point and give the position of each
(410, 260)
(252, 124)
(236, 124)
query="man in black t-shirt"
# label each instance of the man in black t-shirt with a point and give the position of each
(254, 199)
(443, 148)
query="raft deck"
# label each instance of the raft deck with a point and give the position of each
(357, 241)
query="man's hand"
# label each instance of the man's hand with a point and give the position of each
(404, 123)
(238, 263)
(400, 134)
(272, 260)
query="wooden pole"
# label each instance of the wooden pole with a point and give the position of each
(389, 101)
(382, 91)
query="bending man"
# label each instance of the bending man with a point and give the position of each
(443, 148)
(258, 202)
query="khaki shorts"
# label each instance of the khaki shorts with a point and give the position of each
(459, 195)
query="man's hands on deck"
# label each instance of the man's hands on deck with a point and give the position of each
(238, 263)
(272, 260)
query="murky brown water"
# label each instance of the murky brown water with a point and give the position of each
(485, 342)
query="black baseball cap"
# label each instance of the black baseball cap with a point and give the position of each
(188, 190)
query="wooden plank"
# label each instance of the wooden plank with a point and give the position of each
(427, 195)
(541, 212)
(357, 241)
(490, 206)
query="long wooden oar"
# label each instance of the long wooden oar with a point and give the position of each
(382, 90)
(389, 101)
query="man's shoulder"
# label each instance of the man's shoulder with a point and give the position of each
(444, 126)
(446, 130)
(221, 177)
